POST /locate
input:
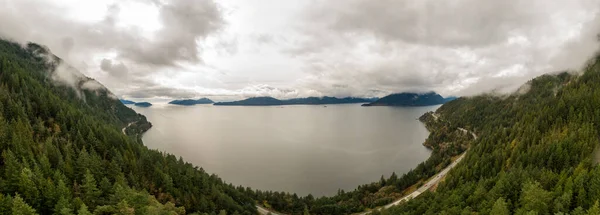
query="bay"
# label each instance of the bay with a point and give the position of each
(299, 149)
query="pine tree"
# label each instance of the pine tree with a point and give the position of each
(83, 210)
(19, 207)
(500, 207)
(89, 190)
(27, 187)
(594, 210)
(63, 207)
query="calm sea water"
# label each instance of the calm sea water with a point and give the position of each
(296, 149)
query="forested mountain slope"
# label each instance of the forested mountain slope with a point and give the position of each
(63, 152)
(534, 154)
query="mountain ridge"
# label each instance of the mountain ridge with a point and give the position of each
(64, 149)
(189, 102)
(410, 99)
(270, 101)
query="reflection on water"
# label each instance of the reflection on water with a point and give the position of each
(301, 149)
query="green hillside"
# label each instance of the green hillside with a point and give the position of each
(63, 151)
(536, 152)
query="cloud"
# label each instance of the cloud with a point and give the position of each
(240, 48)
(457, 47)
(182, 25)
(117, 69)
(446, 23)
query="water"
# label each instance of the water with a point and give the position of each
(296, 149)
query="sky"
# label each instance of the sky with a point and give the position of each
(233, 49)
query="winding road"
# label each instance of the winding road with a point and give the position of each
(124, 128)
(264, 211)
(432, 181)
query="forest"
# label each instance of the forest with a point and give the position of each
(537, 152)
(63, 151)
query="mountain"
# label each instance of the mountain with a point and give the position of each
(255, 101)
(269, 101)
(143, 104)
(536, 151)
(126, 102)
(410, 99)
(451, 98)
(188, 102)
(69, 146)
(328, 100)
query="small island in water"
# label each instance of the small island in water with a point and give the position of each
(270, 101)
(143, 104)
(411, 99)
(189, 102)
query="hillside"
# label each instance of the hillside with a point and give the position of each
(63, 151)
(188, 102)
(534, 154)
(411, 99)
(270, 101)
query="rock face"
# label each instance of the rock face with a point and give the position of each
(269, 101)
(143, 104)
(411, 99)
(188, 102)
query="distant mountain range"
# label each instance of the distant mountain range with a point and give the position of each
(397, 99)
(188, 102)
(270, 101)
(143, 104)
(411, 99)
(126, 102)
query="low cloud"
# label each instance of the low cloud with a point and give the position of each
(182, 26)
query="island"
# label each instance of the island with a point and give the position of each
(411, 99)
(143, 104)
(270, 101)
(126, 102)
(189, 102)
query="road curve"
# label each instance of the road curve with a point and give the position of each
(264, 211)
(432, 181)
(124, 128)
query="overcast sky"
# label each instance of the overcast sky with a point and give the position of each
(230, 49)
